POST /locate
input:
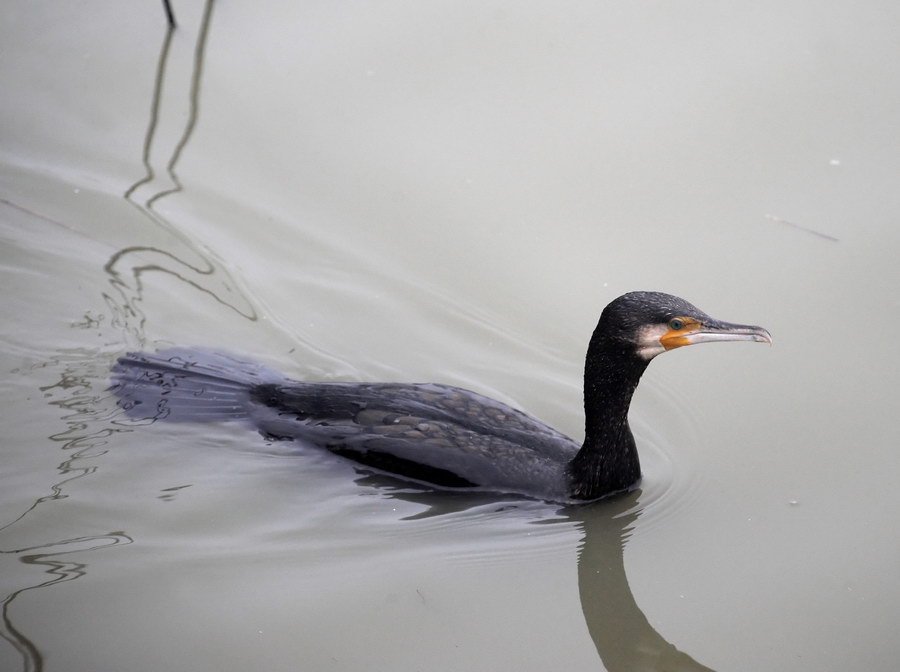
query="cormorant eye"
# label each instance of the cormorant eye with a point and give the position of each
(676, 324)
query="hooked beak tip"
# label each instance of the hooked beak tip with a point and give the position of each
(763, 336)
(732, 332)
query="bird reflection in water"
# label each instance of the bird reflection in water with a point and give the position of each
(624, 638)
(456, 439)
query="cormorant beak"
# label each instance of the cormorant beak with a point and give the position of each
(711, 331)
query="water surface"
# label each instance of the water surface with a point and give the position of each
(450, 192)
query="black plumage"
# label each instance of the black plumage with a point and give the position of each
(439, 434)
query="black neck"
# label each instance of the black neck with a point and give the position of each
(608, 460)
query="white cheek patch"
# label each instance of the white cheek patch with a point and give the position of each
(648, 344)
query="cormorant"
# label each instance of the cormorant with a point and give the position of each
(438, 434)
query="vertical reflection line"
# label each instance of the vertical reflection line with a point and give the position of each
(31, 656)
(130, 298)
(170, 15)
(193, 114)
(60, 571)
(154, 113)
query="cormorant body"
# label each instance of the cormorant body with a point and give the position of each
(438, 434)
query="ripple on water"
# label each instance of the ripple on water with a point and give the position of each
(673, 470)
(492, 532)
(378, 515)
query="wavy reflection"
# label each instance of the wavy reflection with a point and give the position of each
(193, 113)
(87, 432)
(51, 558)
(84, 439)
(127, 266)
(133, 262)
(82, 409)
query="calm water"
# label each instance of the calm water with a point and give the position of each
(450, 192)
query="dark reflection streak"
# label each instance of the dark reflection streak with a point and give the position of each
(125, 311)
(76, 437)
(61, 572)
(82, 441)
(32, 659)
(154, 111)
(66, 468)
(196, 78)
(56, 489)
(126, 306)
(137, 271)
(170, 16)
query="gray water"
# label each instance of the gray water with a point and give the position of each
(450, 192)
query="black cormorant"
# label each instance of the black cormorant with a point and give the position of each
(438, 434)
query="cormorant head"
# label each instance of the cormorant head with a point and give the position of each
(653, 322)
